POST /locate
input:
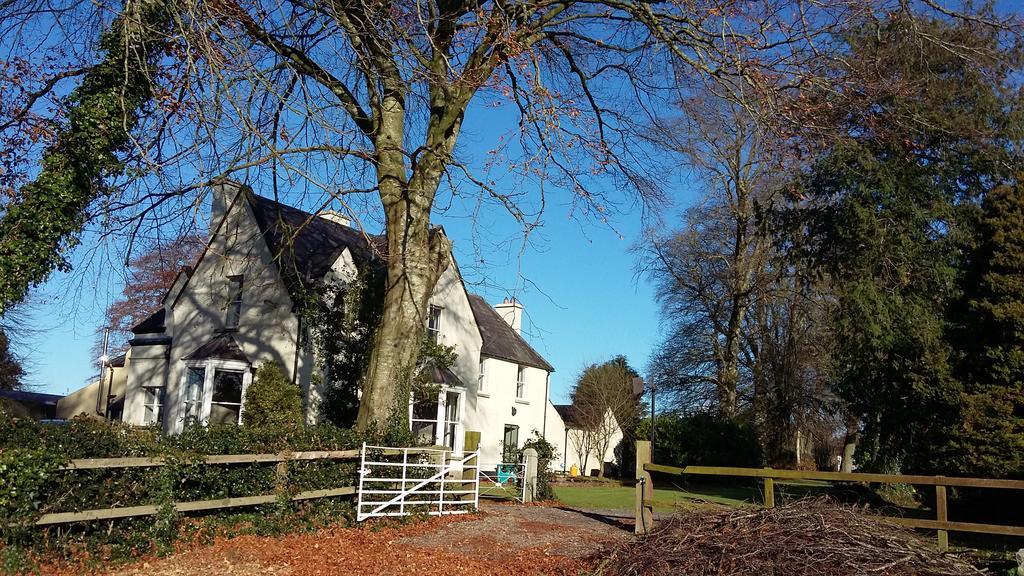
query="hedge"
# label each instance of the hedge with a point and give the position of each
(32, 484)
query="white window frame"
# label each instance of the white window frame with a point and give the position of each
(210, 367)
(520, 382)
(434, 332)
(441, 419)
(481, 379)
(159, 406)
(233, 312)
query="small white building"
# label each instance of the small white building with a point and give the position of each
(576, 449)
(235, 308)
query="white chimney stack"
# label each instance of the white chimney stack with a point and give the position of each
(511, 311)
(336, 217)
(223, 192)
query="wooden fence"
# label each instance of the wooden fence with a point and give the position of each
(281, 460)
(645, 491)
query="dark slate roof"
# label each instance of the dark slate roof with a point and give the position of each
(305, 245)
(152, 325)
(500, 340)
(37, 398)
(221, 347)
(441, 375)
(568, 414)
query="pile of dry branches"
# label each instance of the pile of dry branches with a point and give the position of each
(806, 537)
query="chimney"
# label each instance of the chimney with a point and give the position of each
(336, 217)
(224, 192)
(511, 311)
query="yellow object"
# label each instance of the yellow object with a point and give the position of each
(574, 471)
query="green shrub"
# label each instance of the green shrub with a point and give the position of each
(545, 456)
(702, 439)
(32, 484)
(271, 401)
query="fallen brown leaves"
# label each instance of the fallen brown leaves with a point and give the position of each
(502, 541)
(807, 537)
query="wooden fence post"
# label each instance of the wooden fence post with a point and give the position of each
(471, 470)
(644, 510)
(769, 492)
(941, 515)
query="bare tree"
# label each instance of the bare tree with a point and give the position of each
(745, 329)
(710, 272)
(604, 406)
(150, 276)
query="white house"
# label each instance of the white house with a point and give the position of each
(565, 431)
(235, 308)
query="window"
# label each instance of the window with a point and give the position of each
(226, 404)
(521, 382)
(213, 391)
(510, 443)
(423, 420)
(234, 310)
(434, 323)
(195, 378)
(451, 419)
(481, 379)
(434, 417)
(153, 405)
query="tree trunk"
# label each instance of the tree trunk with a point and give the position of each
(416, 258)
(849, 447)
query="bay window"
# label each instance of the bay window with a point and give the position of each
(213, 391)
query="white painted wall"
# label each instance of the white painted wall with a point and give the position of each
(489, 410)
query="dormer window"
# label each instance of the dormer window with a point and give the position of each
(434, 324)
(234, 310)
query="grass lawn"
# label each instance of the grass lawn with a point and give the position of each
(615, 496)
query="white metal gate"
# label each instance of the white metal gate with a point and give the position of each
(404, 481)
(505, 480)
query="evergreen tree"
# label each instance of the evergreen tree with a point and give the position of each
(989, 440)
(889, 215)
(271, 401)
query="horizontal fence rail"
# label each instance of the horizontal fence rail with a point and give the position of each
(281, 459)
(942, 524)
(195, 506)
(148, 462)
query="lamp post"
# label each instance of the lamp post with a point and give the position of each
(638, 390)
(652, 421)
